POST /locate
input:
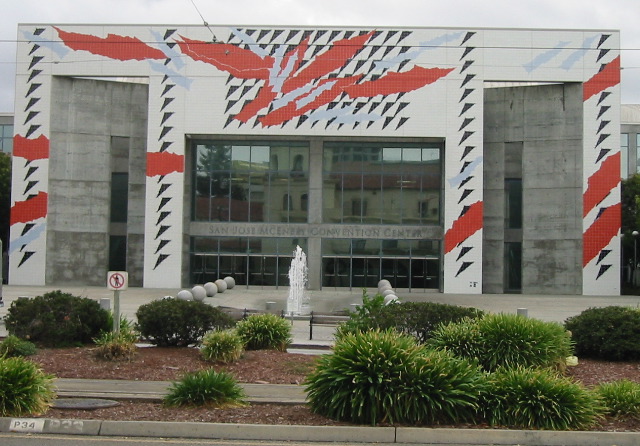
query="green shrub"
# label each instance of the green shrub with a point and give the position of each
(508, 340)
(24, 388)
(175, 322)
(417, 319)
(378, 376)
(264, 332)
(540, 399)
(206, 387)
(622, 398)
(13, 346)
(114, 346)
(223, 346)
(57, 319)
(611, 333)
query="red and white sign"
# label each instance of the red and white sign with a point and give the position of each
(117, 280)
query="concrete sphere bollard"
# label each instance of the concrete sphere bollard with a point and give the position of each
(222, 285)
(383, 282)
(231, 282)
(383, 288)
(199, 293)
(387, 292)
(184, 295)
(211, 289)
(390, 298)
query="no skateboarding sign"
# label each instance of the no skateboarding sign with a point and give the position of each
(117, 280)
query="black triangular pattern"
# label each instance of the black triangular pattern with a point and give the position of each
(32, 102)
(467, 92)
(464, 251)
(291, 35)
(171, 44)
(165, 145)
(403, 36)
(390, 34)
(27, 228)
(603, 269)
(356, 124)
(387, 121)
(467, 36)
(161, 231)
(29, 186)
(229, 120)
(387, 106)
(318, 35)
(30, 116)
(166, 61)
(465, 136)
(35, 60)
(467, 150)
(402, 122)
(467, 79)
(465, 123)
(165, 117)
(163, 189)
(167, 88)
(603, 96)
(38, 31)
(166, 102)
(601, 138)
(168, 33)
(32, 129)
(229, 79)
(165, 78)
(401, 107)
(465, 108)
(467, 50)
(161, 245)
(32, 87)
(603, 52)
(603, 124)
(165, 131)
(30, 172)
(602, 154)
(301, 120)
(387, 50)
(230, 105)
(465, 181)
(602, 255)
(162, 216)
(232, 89)
(465, 194)
(464, 266)
(305, 34)
(464, 166)
(600, 212)
(262, 34)
(26, 256)
(251, 31)
(464, 210)
(603, 110)
(161, 258)
(34, 48)
(246, 89)
(33, 74)
(347, 35)
(163, 203)
(603, 39)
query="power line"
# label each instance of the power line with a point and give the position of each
(213, 36)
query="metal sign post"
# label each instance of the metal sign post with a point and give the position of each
(117, 281)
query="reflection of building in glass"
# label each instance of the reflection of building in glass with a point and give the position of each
(412, 155)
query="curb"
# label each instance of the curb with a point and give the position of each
(342, 434)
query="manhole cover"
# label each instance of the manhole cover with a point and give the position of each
(83, 403)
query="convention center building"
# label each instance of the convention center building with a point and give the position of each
(447, 159)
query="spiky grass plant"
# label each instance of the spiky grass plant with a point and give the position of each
(383, 376)
(222, 346)
(206, 388)
(114, 346)
(622, 398)
(532, 398)
(13, 346)
(264, 332)
(506, 340)
(24, 388)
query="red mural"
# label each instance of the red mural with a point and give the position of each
(601, 232)
(113, 46)
(31, 149)
(601, 183)
(30, 209)
(607, 77)
(164, 163)
(464, 227)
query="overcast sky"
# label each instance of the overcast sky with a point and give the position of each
(623, 15)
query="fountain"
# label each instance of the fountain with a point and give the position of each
(297, 283)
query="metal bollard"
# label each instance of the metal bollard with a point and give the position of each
(105, 303)
(523, 312)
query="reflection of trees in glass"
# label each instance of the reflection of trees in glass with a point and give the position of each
(213, 172)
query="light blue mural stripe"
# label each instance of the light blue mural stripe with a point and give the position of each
(253, 45)
(56, 47)
(545, 57)
(577, 55)
(423, 46)
(466, 173)
(176, 77)
(175, 56)
(29, 237)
